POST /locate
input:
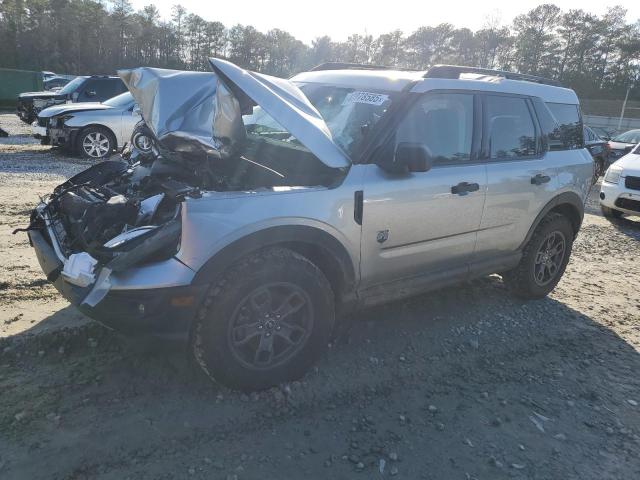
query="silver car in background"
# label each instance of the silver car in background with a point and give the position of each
(93, 130)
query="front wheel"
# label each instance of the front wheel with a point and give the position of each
(544, 259)
(266, 321)
(96, 143)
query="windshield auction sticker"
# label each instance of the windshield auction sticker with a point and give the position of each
(365, 97)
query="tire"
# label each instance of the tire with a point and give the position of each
(610, 212)
(142, 138)
(230, 337)
(525, 280)
(95, 143)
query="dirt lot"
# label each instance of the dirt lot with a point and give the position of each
(464, 383)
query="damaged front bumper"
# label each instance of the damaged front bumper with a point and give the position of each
(63, 137)
(156, 298)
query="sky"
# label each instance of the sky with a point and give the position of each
(308, 19)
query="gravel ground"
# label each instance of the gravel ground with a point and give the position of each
(463, 383)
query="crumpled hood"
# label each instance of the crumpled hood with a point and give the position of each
(188, 112)
(72, 107)
(197, 112)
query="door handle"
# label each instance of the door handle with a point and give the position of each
(464, 187)
(539, 179)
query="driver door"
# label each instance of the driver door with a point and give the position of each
(423, 225)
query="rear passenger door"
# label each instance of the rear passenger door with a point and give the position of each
(520, 178)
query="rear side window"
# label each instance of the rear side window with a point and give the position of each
(511, 131)
(568, 133)
(443, 122)
(103, 88)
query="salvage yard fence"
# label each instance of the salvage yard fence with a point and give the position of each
(14, 82)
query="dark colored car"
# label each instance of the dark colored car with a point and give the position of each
(81, 89)
(622, 144)
(597, 148)
(56, 82)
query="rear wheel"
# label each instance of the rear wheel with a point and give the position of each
(266, 321)
(610, 212)
(96, 143)
(544, 259)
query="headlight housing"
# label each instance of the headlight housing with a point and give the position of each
(61, 120)
(613, 174)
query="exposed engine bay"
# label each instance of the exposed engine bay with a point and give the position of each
(117, 204)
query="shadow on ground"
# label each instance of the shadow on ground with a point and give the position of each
(462, 383)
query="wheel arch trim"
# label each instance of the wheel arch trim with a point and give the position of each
(568, 203)
(287, 236)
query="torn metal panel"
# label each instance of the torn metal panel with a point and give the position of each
(188, 112)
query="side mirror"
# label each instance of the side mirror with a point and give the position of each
(409, 157)
(75, 96)
(136, 111)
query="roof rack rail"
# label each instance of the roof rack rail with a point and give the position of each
(349, 66)
(454, 71)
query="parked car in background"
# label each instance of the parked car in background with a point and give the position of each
(603, 133)
(82, 89)
(597, 149)
(273, 206)
(620, 190)
(622, 144)
(93, 130)
(53, 83)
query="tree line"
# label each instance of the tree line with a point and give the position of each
(597, 55)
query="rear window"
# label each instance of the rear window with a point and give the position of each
(568, 133)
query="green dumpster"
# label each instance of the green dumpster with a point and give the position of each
(14, 82)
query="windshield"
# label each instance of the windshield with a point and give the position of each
(632, 136)
(71, 86)
(123, 100)
(350, 114)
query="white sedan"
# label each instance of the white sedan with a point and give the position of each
(620, 191)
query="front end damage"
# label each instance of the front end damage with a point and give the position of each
(109, 239)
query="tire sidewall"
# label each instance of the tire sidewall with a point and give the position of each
(83, 134)
(210, 337)
(562, 225)
(141, 133)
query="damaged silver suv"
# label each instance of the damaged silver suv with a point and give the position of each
(270, 207)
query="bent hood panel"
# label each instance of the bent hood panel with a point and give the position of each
(188, 112)
(288, 106)
(197, 112)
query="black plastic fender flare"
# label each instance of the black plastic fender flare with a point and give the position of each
(572, 200)
(280, 235)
